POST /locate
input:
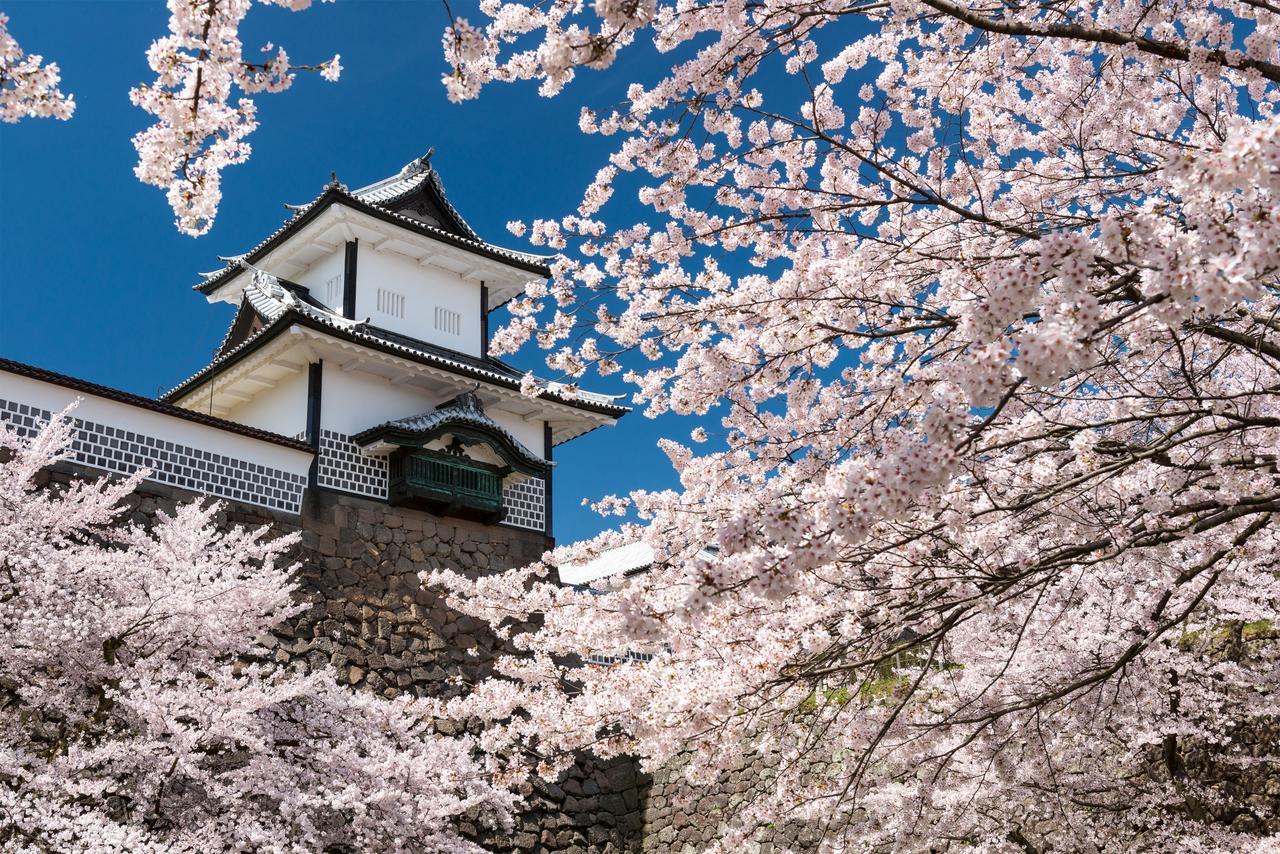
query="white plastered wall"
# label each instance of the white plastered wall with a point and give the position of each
(528, 432)
(352, 401)
(424, 289)
(323, 279)
(282, 409)
(122, 437)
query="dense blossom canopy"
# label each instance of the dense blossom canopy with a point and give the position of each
(139, 712)
(983, 298)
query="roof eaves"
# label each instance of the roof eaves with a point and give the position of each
(131, 399)
(300, 215)
(364, 338)
(536, 264)
(529, 262)
(266, 333)
(291, 315)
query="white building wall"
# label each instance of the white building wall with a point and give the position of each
(121, 437)
(281, 410)
(427, 303)
(352, 401)
(530, 432)
(323, 279)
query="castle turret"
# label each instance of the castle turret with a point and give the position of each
(362, 329)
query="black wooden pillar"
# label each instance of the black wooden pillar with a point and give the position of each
(546, 479)
(484, 321)
(315, 378)
(349, 280)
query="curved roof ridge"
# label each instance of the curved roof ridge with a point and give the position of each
(271, 299)
(411, 178)
(338, 193)
(466, 408)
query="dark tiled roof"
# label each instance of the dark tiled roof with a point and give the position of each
(492, 371)
(417, 176)
(465, 409)
(236, 321)
(374, 200)
(141, 402)
(487, 363)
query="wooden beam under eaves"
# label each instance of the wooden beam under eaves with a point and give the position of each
(265, 383)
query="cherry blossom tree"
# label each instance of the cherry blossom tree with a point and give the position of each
(139, 712)
(28, 85)
(977, 305)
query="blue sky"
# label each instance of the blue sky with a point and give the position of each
(96, 281)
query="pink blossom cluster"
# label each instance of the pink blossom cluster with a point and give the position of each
(28, 85)
(199, 129)
(139, 710)
(981, 299)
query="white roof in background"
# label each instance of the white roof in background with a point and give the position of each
(628, 558)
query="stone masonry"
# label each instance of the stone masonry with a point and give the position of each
(372, 621)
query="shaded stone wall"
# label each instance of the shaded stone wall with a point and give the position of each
(684, 818)
(373, 622)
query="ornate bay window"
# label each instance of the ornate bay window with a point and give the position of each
(453, 460)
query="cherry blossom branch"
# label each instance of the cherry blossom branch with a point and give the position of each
(198, 133)
(987, 378)
(1095, 35)
(28, 86)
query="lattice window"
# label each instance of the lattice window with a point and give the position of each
(114, 449)
(526, 504)
(448, 321)
(333, 292)
(390, 303)
(344, 466)
(630, 657)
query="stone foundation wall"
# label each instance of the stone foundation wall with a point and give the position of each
(373, 622)
(683, 818)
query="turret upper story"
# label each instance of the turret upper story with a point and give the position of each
(362, 328)
(395, 254)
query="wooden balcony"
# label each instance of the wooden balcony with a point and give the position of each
(446, 484)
